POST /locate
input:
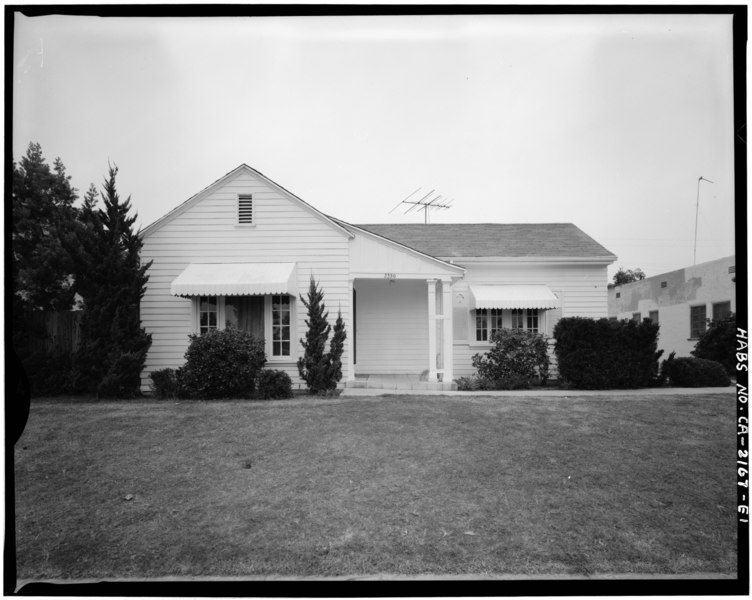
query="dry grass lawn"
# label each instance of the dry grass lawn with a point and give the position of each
(402, 485)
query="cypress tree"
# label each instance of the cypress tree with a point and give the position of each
(336, 348)
(112, 282)
(312, 366)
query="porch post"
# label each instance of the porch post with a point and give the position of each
(351, 333)
(448, 350)
(431, 330)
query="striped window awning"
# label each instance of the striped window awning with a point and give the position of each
(513, 296)
(236, 279)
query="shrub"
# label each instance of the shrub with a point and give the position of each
(48, 374)
(273, 385)
(123, 378)
(603, 354)
(516, 360)
(474, 383)
(687, 371)
(165, 383)
(718, 343)
(222, 364)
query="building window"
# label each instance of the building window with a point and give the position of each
(532, 320)
(245, 209)
(653, 316)
(207, 313)
(518, 318)
(487, 321)
(721, 310)
(281, 313)
(637, 317)
(245, 313)
(618, 294)
(525, 319)
(696, 321)
(664, 284)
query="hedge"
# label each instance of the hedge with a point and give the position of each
(602, 354)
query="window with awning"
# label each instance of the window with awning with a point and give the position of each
(253, 297)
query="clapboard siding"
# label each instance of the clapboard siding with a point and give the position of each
(582, 288)
(284, 230)
(392, 326)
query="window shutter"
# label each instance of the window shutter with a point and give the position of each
(245, 209)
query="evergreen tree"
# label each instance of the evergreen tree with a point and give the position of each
(336, 348)
(321, 370)
(111, 280)
(312, 366)
(43, 217)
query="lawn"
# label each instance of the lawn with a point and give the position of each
(401, 485)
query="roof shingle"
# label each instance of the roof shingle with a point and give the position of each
(514, 240)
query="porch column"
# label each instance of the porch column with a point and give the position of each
(431, 330)
(350, 340)
(448, 331)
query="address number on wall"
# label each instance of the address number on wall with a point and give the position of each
(390, 275)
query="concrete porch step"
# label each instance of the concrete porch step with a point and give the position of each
(398, 382)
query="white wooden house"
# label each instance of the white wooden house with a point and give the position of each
(416, 299)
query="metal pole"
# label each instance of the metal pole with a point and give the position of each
(697, 212)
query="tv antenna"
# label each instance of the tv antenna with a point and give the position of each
(427, 202)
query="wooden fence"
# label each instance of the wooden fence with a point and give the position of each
(63, 330)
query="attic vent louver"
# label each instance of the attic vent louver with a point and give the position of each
(732, 269)
(245, 208)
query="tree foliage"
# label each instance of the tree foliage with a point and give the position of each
(718, 343)
(321, 370)
(623, 276)
(111, 280)
(42, 219)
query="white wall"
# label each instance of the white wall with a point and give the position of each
(392, 326)
(207, 231)
(581, 288)
(703, 284)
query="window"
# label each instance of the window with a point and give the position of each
(525, 319)
(696, 321)
(664, 284)
(281, 325)
(532, 320)
(653, 316)
(245, 209)
(637, 317)
(207, 313)
(487, 320)
(245, 313)
(721, 310)
(618, 294)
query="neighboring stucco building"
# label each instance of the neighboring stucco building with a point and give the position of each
(680, 301)
(416, 299)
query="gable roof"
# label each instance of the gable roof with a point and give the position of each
(224, 179)
(512, 240)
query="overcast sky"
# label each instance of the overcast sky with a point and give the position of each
(603, 121)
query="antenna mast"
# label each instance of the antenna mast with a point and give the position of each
(425, 203)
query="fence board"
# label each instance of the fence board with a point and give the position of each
(63, 330)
